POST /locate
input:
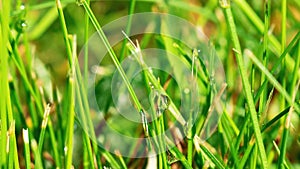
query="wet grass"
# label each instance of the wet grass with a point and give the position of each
(49, 121)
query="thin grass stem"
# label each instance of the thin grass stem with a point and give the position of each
(246, 86)
(27, 149)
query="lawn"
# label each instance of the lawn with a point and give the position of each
(149, 84)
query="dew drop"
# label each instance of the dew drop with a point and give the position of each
(161, 102)
(186, 90)
(21, 26)
(22, 7)
(79, 2)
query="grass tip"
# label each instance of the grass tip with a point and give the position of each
(25, 136)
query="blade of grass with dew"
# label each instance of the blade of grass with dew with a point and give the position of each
(246, 86)
(136, 51)
(156, 85)
(158, 119)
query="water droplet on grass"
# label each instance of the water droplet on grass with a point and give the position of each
(161, 102)
(22, 7)
(79, 2)
(186, 90)
(21, 26)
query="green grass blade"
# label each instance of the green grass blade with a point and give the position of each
(249, 12)
(26, 147)
(265, 56)
(246, 85)
(272, 79)
(71, 113)
(273, 120)
(112, 54)
(128, 28)
(200, 148)
(4, 32)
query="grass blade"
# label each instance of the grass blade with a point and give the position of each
(112, 54)
(246, 86)
(249, 12)
(26, 147)
(272, 79)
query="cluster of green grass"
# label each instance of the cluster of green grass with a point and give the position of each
(41, 82)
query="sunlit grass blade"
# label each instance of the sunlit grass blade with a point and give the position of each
(86, 48)
(128, 28)
(176, 153)
(246, 86)
(4, 29)
(275, 119)
(77, 90)
(112, 54)
(272, 79)
(71, 113)
(26, 148)
(201, 148)
(287, 124)
(37, 156)
(276, 47)
(265, 56)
